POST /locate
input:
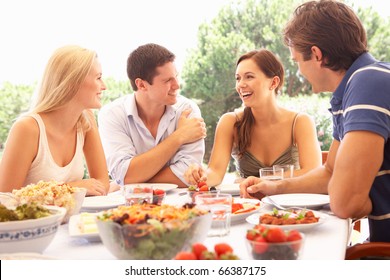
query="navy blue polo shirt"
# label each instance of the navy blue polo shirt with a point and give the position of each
(362, 102)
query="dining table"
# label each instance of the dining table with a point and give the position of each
(326, 241)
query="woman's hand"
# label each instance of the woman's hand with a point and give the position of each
(94, 187)
(195, 174)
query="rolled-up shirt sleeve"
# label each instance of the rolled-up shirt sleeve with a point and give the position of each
(189, 153)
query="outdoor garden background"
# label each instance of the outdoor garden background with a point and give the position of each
(207, 75)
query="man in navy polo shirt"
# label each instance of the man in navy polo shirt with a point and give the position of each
(329, 45)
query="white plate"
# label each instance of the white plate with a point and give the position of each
(235, 218)
(161, 186)
(74, 230)
(102, 202)
(255, 218)
(303, 200)
(233, 189)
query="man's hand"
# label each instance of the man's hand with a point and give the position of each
(190, 129)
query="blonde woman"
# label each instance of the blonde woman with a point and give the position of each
(52, 139)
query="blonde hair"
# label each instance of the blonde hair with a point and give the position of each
(65, 71)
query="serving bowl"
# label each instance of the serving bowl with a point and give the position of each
(32, 235)
(158, 235)
(275, 244)
(52, 193)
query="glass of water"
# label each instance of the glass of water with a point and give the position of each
(288, 169)
(220, 206)
(137, 194)
(271, 173)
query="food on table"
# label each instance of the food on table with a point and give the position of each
(272, 243)
(23, 212)
(87, 223)
(158, 196)
(222, 251)
(244, 207)
(47, 193)
(148, 231)
(200, 187)
(291, 217)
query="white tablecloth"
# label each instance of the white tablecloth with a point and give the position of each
(327, 241)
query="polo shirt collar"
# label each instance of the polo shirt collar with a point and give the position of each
(363, 60)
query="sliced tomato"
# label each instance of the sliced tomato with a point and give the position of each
(245, 210)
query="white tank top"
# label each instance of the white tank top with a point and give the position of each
(45, 168)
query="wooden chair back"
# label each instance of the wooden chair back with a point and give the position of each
(370, 250)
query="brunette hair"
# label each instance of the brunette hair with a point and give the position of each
(65, 71)
(330, 25)
(271, 66)
(144, 60)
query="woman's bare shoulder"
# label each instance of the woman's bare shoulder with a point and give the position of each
(232, 116)
(26, 126)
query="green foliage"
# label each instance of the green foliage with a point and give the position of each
(242, 26)
(315, 105)
(115, 89)
(14, 100)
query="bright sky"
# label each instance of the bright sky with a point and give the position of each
(30, 30)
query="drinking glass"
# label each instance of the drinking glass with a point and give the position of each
(220, 206)
(271, 173)
(137, 194)
(288, 169)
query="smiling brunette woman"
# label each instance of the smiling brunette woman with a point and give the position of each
(262, 133)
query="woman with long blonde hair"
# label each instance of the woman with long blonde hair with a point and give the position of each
(51, 141)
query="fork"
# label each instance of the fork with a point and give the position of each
(274, 203)
(280, 207)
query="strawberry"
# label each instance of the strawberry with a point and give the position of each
(185, 256)
(260, 245)
(292, 236)
(158, 192)
(222, 248)
(198, 249)
(275, 235)
(260, 228)
(204, 188)
(251, 234)
(201, 184)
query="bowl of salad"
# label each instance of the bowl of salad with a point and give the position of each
(52, 193)
(152, 232)
(29, 227)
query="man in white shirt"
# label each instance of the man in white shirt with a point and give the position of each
(155, 134)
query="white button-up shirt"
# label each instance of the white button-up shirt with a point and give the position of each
(125, 136)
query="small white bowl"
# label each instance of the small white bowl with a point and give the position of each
(32, 235)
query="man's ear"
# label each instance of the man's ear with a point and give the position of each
(140, 84)
(317, 53)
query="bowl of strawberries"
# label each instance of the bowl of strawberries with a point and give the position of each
(273, 243)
